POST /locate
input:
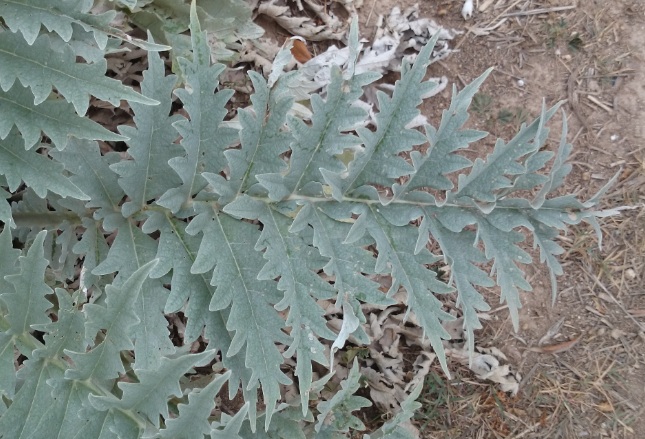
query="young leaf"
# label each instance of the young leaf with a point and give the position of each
(150, 395)
(117, 318)
(193, 417)
(336, 414)
(27, 305)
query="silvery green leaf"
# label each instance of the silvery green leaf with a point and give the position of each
(40, 68)
(203, 137)
(379, 163)
(228, 245)
(156, 385)
(336, 414)
(54, 117)
(26, 303)
(262, 137)
(117, 318)
(148, 175)
(36, 170)
(192, 420)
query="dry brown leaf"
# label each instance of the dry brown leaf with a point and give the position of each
(605, 407)
(557, 348)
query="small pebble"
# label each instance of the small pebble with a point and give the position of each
(630, 274)
(520, 82)
(617, 333)
(614, 137)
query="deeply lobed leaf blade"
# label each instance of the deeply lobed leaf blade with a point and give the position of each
(40, 68)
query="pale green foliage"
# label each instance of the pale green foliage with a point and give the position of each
(54, 117)
(336, 415)
(41, 68)
(227, 21)
(230, 239)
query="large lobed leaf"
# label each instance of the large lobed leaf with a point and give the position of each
(238, 237)
(203, 137)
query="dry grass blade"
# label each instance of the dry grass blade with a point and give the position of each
(552, 332)
(539, 11)
(557, 348)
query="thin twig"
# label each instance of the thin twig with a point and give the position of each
(600, 103)
(620, 305)
(539, 11)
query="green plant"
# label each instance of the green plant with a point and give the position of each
(482, 103)
(554, 30)
(221, 228)
(516, 116)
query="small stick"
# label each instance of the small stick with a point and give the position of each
(485, 5)
(600, 104)
(539, 11)
(620, 305)
(505, 11)
(369, 16)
